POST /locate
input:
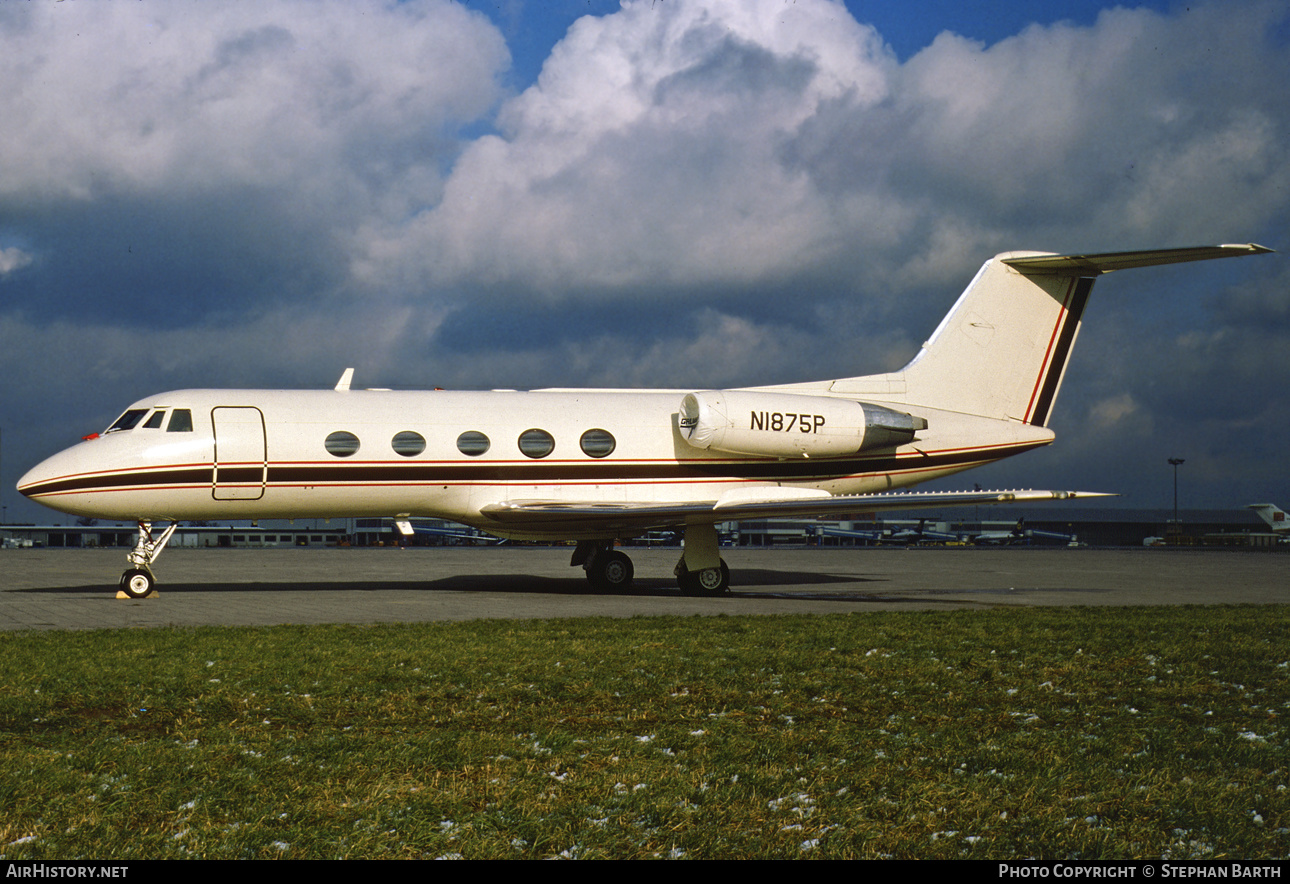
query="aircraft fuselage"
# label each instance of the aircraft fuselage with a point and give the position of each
(253, 454)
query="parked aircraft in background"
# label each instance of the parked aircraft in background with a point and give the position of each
(1018, 534)
(894, 536)
(873, 535)
(407, 528)
(599, 465)
(1274, 516)
(920, 534)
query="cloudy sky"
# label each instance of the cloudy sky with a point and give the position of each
(681, 193)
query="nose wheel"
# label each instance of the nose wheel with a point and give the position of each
(137, 582)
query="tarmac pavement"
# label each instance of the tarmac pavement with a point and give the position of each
(75, 589)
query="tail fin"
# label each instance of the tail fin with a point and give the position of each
(1273, 515)
(1002, 350)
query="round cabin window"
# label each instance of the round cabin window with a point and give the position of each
(536, 443)
(472, 443)
(408, 443)
(341, 443)
(597, 443)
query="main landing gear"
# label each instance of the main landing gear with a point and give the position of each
(608, 570)
(137, 582)
(700, 572)
(708, 581)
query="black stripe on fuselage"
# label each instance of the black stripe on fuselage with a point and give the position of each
(1061, 352)
(814, 469)
(131, 479)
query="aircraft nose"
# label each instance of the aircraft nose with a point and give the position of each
(41, 478)
(57, 475)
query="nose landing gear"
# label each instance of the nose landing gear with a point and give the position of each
(137, 582)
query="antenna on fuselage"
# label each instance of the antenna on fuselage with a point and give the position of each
(345, 379)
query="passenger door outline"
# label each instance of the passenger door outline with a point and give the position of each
(241, 457)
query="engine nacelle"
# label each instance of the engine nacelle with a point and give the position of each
(791, 425)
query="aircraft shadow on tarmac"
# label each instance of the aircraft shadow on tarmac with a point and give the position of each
(746, 583)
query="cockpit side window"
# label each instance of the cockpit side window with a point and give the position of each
(129, 420)
(154, 422)
(181, 421)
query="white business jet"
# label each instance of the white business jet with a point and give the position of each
(600, 465)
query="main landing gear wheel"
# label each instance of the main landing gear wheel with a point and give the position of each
(708, 582)
(610, 571)
(137, 583)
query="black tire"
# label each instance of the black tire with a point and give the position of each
(708, 582)
(137, 583)
(611, 571)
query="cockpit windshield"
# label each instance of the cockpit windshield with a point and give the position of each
(181, 421)
(128, 421)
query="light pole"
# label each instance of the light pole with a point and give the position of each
(1175, 462)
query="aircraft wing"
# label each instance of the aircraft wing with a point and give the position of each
(552, 514)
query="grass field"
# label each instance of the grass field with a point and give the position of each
(1038, 732)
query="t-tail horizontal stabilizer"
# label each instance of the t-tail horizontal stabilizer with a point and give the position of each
(1095, 265)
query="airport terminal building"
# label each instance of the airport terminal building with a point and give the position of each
(1024, 526)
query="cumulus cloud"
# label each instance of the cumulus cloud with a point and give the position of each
(647, 151)
(12, 259)
(154, 97)
(724, 143)
(1113, 414)
(191, 159)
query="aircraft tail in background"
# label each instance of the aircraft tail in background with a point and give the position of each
(1273, 515)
